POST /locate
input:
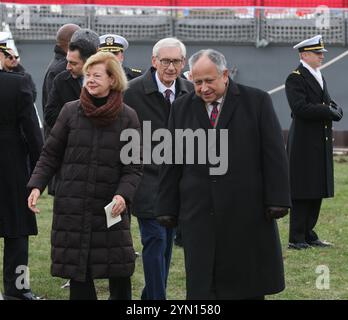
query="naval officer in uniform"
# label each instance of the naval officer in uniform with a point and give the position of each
(309, 143)
(118, 45)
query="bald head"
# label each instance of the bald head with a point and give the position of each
(64, 35)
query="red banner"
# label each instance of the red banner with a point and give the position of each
(192, 3)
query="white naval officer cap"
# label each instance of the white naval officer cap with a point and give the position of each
(4, 36)
(314, 44)
(112, 43)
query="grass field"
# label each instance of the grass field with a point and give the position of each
(304, 269)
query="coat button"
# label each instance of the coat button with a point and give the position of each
(326, 138)
(333, 139)
(325, 127)
(211, 213)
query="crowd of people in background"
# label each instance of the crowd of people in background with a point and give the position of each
(89, 98)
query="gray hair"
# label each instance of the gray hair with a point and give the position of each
(86, 34)
(169, 42)
(214, 56)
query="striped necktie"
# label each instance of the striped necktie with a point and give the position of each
(214, 113)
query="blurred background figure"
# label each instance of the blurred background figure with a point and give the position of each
(57, 64)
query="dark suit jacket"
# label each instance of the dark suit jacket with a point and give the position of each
(65, 89)
(143, 96)
(20, 144)
(229, 245)
(310, 137)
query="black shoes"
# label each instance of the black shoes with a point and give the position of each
(23, 296)
(319, 243)
(309, 244)
(298, 245)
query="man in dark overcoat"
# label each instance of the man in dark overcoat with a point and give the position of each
(67, 84)
(230, 238)
(151, 96)
(20, 144)
(309, 143)
(58, 63)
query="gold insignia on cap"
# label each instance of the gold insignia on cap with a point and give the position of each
(109, 41)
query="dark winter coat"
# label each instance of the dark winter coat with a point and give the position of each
(310, 137)
(65, 88)
(20, 144)
(56, 66)
(230, 248)
(143, 96)
(29, 78)
(89, 171)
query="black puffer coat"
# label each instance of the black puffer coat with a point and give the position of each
(89, 171)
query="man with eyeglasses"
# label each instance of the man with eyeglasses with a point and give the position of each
(151, 95)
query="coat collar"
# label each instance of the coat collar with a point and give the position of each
(313, 83)
(72, 82)
(150, 85)
(231, 101)
(60, 54)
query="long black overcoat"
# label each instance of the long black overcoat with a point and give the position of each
(20, 145)
(230, 247)
(309, 143)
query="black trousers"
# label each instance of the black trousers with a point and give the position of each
(14, 263)
(120, 289)
(304, 215)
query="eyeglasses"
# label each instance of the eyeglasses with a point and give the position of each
(166, 62)
(12, 57)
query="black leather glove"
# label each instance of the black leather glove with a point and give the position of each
(336, 111)
(167, 221)
(276, 212)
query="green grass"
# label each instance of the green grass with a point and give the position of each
(300, 266)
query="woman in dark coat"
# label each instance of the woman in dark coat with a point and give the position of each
(83, 149)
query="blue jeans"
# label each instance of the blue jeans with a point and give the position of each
(157, 244)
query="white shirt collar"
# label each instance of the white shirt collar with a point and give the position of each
(315, 72)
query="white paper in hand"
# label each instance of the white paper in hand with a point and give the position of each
(110, 220)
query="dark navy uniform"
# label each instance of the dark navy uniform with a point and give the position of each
(132, 73)
(309, 147)
(117, 45)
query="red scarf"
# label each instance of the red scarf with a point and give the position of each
(105, 114)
